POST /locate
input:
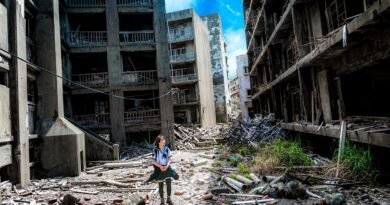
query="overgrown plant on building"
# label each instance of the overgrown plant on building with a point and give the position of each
(356, 163)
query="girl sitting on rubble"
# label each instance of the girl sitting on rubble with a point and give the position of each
(162, 170)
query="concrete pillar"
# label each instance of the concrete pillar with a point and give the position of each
(164, 81)
(117, 105)
(117, 109)
(115, 152)
(324, 95)
(63, 146)
(18, 83)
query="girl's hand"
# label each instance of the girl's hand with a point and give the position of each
(162, 168)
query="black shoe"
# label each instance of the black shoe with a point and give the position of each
(162, 202)
(169, 201)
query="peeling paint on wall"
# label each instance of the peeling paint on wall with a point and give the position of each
(218, 64)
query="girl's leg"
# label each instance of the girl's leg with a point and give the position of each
(169, 187)
(169, 191)
(161, 190)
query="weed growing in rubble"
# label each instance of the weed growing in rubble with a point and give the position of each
(357, 161)
(244, 170)
(289, 153)
(280, 153)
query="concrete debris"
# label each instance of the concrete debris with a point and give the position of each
(206, 177)
(199, 138)
(256, 130)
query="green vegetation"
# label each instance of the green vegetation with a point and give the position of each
(280, 153)
(288, 153)
(356, 161)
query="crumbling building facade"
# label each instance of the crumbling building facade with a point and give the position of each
(219, 64)
(34, 135)
(316, 63)
(118, 48)
(244, 86)
(191, 72)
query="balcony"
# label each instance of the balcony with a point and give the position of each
(184, 99)
(180, 55)
(183, 75)
(93, 120)
(137, 37)
(135, 3)
(91, 79)
(85, 3)
(180, 35)
(139, 77)
(86, 38)
(144, 116)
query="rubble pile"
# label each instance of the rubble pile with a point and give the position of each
(296, 185)
(198, 138)
(259, 129)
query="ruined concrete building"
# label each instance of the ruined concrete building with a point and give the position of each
(314, 63)
(50, 126)
(34, 135)
(118, 47)
(244, 86)
(219, 64)
(193, 99)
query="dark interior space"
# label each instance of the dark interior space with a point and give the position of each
(87, 22)
(3, 77)
(138, 61)
(366, 91)
(90, 104)
(142, 100)
(89, 63)
(136, 22)
(354, 7)
(140, 137)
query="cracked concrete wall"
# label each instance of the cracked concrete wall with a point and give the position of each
(218, 64)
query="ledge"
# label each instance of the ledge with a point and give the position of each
(378, 139)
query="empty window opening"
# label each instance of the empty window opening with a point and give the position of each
(142, 100)
(138, 61)
(4, 77)
(365, 92)
(88, 63)
(354, 7)
(141, 137)
(87, 22)
(336, 13)
(136, 22)
(90, 104)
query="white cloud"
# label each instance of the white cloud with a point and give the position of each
(236, 45)
(177, 5)
(233, 11)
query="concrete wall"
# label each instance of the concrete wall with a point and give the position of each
(98, 150)
(3, 27)
(64, 150)
(203, 62)
(177, 15)
(244, 82)
(218, 63)
(5, 127)
(5, 115)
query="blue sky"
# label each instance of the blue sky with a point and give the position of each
(232, 16)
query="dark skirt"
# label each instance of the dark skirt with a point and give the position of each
(158, 175)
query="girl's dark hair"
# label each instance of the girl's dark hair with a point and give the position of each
(158, 139)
